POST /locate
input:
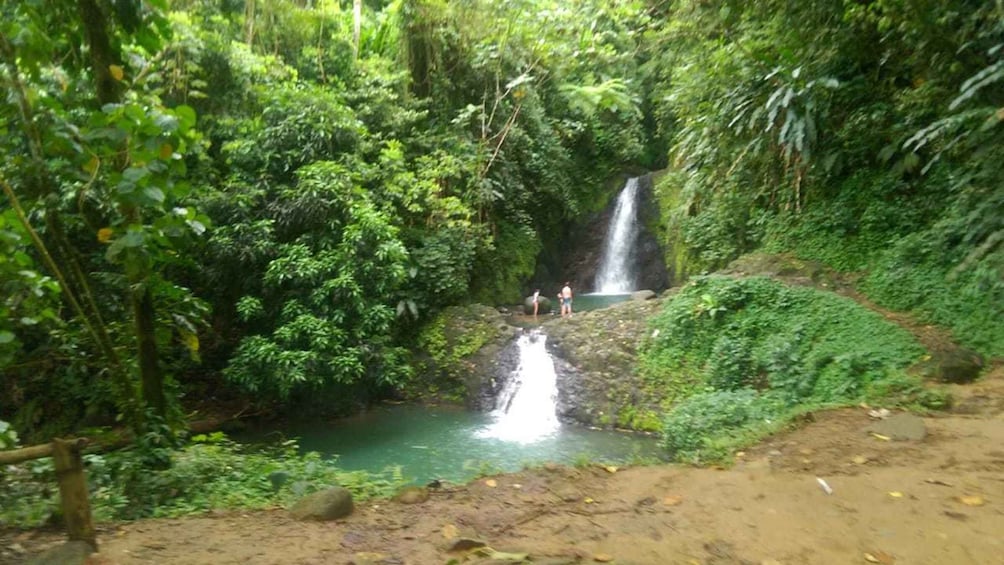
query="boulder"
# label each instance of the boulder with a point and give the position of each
(459, 352)
(594, 357)
(958, 366)
(545, 305)
(324, 505)
(643, 295)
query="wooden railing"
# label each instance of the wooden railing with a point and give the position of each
(69, 463)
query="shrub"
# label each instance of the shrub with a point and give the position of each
(211, 472)
(693, 425)
(732, 355)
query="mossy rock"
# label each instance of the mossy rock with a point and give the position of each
(457, 352)
(595, 358)
(544, 305)
(325, 505)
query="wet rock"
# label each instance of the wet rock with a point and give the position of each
(594, 358)
(330, 504)
(544, 305)
(901, 427)
(643, 295)
(69, 553)
(463, 354)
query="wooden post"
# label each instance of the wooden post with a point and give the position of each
(73, 490)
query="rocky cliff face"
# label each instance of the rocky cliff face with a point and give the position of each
(469, 353)
(594, 357)
(582, 259)
(465, 354)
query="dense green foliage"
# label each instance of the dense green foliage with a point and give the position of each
(740, 356)
(204, 200)
(211, 473)
(864, 135)
(355, 187)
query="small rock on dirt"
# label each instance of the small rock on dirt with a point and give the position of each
(901, 427)
(412, 495)
(329, 504)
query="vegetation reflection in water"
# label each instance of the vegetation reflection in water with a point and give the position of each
(447, 443)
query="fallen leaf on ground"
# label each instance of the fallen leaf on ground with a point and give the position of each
(895, 494)
(589, 500)
(517, 486)
(880, 436)
(971, 500)
(880, 557)
(603, 557)
(501, 556)
(672, 500)
(450, 531)
(610, 469)
(859, 459)
(492, 483)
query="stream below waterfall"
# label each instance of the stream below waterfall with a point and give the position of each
(455, 444)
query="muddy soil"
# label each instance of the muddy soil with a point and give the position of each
(938, 501)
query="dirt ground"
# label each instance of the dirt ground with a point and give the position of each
(938, 501)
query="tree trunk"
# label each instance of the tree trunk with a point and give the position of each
(149, 362)
(102, 58)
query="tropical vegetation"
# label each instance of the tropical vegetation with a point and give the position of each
(273, 201)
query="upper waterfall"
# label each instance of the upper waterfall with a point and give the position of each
(616, 272)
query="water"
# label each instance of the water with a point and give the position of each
(450, 443)
(457, 445)
(595, 301)
(616, 274)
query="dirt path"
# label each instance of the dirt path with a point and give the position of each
(935, 501)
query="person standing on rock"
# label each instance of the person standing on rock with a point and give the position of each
(536, 301)
(566, 299)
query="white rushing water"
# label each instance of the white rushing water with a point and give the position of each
(525, 409)
(615, 275)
